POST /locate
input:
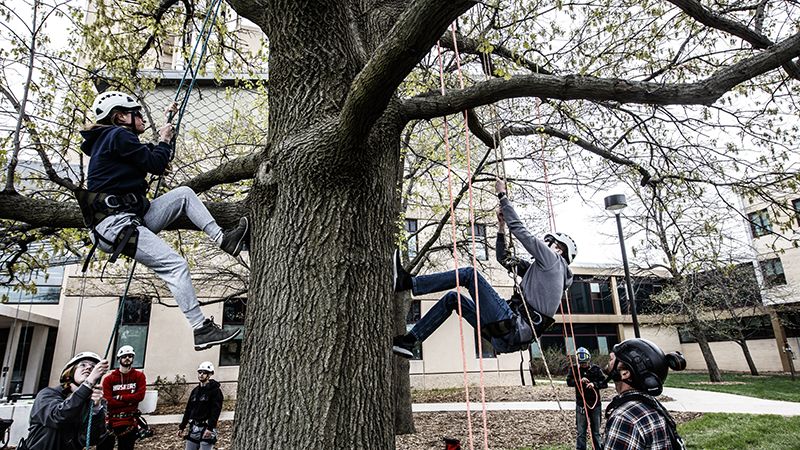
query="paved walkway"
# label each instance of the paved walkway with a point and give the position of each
(684, 400)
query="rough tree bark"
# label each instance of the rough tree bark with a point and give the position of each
(317, 363)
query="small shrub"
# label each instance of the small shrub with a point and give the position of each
(171, 392)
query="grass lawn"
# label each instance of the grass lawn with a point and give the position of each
(716, 431)
(773, 387)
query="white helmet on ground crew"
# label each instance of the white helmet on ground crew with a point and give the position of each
(206, 366)
(572, 249)
(106, 101)
(125, 350)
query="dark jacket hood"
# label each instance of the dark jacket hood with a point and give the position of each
(93, 135)
(212, 384)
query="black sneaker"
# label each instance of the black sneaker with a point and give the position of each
(212, 334)
(233, 239)
(402, 347)
(402, 279)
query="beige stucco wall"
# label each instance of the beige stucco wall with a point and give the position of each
(729, 356)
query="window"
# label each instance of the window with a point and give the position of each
(133, 327)
(589, 296)
(230, 353)
(643, 290)
(411, 235)
(414, 314)
(752, 328)
(21, 360)
(601, 337)
(48, 287)
(759, 223)
(796, 205)
(773, 272)
(47, 360)
(486, 348)
(481, 252)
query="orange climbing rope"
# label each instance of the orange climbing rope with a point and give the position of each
(455, 253)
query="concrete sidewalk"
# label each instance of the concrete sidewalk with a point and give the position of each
(684, 400)
(176, 418)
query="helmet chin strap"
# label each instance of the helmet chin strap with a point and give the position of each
(131, 125)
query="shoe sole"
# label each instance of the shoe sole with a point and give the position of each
(208, 345)
(240, 244)
(400, 351)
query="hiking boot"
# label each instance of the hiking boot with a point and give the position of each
(403, 345)
(212, 334)
(233, 239)
(402, 279)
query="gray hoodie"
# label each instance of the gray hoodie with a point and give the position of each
(549, 276)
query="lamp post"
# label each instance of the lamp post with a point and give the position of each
(615, 204)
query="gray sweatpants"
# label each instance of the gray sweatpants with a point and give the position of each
(155, 253)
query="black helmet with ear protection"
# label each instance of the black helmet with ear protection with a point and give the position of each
(647, 363)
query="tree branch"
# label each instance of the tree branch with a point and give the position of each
(409, 40)
(473, 47)
(711, 19)
(572, 87)
(238, 169)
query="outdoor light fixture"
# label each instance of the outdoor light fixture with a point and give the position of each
(615, 204)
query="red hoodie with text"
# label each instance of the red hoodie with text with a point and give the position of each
(123, 392)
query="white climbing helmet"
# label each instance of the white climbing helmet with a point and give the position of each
(66, 372)
(125, 350)
(572, 249)
(207, 366)
(106, 101)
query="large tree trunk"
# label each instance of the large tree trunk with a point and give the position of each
(316, 369)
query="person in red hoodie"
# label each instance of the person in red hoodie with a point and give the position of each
(123, 389)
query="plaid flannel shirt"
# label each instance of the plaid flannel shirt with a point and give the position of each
(636, 426)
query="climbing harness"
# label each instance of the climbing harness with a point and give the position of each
(96, 207)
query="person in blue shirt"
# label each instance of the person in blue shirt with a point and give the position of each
(124, 221)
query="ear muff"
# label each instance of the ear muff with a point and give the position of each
(676, 361)
(651, 383)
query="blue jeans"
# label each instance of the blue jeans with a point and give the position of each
(492, 307)
(580, 422)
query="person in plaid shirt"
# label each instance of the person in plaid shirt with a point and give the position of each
(635, 420)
